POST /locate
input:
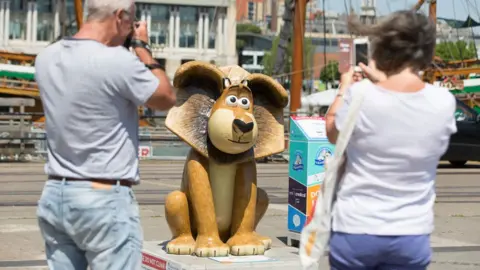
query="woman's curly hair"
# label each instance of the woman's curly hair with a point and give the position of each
(404, 39)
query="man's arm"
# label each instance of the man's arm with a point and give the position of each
(164, 97)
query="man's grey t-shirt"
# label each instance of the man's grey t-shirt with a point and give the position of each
(90, 93)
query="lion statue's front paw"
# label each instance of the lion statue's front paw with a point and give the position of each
(246, 244)
(267, 241)
(182, 245)
(207, 246)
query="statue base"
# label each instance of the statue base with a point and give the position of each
(155, 258)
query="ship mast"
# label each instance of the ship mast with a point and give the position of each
(297, 60)
(79, 13)
(432, 10)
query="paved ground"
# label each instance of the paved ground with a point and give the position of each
(456, 238)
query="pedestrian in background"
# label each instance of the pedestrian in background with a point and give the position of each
(383, 214)
(91, 86)
(357, 74)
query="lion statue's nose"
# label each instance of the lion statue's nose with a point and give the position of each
(242, 126)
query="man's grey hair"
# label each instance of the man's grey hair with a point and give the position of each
(98, 10)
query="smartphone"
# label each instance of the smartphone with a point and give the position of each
(345, 54)
(361, 51)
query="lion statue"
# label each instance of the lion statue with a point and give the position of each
(230, 118)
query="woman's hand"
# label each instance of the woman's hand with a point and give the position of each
(372, 73)
(346, 79)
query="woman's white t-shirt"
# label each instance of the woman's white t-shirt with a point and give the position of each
(393, 154)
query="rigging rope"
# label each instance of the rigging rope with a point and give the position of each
(475, 7)
(456, 30)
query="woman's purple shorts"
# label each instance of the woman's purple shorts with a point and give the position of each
(373, 252)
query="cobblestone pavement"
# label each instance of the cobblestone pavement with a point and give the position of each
(456, 240)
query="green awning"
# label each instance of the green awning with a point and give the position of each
(17, 75)
(469, 22)
(471, 89)
(476, 108)
(456, 92)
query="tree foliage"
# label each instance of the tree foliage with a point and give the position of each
(246, 28)
(330, 72)
(454, 51)
(270, 57)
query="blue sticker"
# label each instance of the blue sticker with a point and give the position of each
(298, 163)
(322, 154)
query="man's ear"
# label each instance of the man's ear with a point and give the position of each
(118, 16)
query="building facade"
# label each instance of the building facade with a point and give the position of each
(180, 30)
(185, 30)
(253, 10)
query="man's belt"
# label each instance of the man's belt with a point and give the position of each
(123, 182)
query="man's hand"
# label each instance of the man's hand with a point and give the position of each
(372, 73)
(140, 31)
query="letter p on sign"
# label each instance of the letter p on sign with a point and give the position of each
(144, 151)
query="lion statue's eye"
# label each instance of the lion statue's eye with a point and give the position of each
(231, 100)
(244, 103)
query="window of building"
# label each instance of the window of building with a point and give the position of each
(188, 26)
(45, 20)
(247, 60)
(213, 19)
(45, 6)
(18, 20)
(160, 18)
(259, 59)
(268, 20)
(186, 61)
(19, 5)
(138, 11)
(251, 10)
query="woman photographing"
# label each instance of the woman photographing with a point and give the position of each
(383, 215)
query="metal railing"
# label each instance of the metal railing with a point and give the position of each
(18, 84)
(154, 142)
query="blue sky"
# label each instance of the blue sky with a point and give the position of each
(445, 8)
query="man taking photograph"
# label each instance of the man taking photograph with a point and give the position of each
(91, 87)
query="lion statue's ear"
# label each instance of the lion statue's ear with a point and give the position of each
(269, 99)
(198, 85)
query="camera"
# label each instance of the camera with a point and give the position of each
(128, 41)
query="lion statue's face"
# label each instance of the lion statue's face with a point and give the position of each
(232, 128)
(215, 112)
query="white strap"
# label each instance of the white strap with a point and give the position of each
(351, 118)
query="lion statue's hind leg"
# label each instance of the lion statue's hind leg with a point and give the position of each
(178, 219)
(262, 206)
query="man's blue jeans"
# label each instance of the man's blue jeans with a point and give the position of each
(88, 224)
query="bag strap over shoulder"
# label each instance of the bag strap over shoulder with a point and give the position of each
(351, 118)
